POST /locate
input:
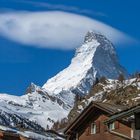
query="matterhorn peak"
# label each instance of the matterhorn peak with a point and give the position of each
(91, 35)
(95, 58)
(92, 39)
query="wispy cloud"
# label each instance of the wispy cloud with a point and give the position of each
(62, 7)
(55, 29)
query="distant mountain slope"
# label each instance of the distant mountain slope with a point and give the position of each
(36, 106)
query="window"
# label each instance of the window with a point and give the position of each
(112, 126)
(93, 128)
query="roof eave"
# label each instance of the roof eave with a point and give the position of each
(123, 114)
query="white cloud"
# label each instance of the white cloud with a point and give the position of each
(55, 29)
(59, 7)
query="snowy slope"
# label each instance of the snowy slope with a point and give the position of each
(126, 93)
(95, 58)
(36, 106)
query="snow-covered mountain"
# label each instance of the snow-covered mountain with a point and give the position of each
(95, 58)
(34, 108)
(45, 105)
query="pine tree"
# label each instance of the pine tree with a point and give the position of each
(121, 78)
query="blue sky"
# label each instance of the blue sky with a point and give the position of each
(27, 57)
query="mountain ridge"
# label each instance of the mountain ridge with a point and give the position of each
(52, 102)
(95, 58)
(118, 92)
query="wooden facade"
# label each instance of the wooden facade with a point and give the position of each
(89, 125)
(4, 135)
(133, 116)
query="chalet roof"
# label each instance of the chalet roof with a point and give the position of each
(56, 133)
(8, 132)
(125, 113)
(113, 108)
(104, 107)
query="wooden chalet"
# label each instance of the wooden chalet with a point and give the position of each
(131, 115)
(4, 135)
(11, 135)
(89, 125)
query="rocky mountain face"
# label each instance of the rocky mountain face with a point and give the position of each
(95, 58)
(119, 92)
(45, 105)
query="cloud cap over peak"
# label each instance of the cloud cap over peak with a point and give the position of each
(54, 29)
